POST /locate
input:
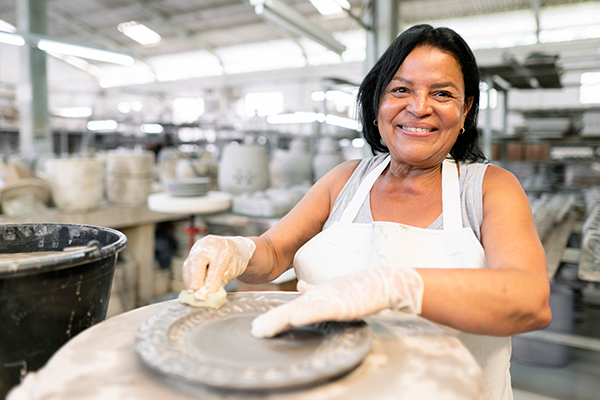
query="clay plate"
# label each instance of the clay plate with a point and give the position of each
(214, 347)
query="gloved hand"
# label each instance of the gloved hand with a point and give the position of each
(345, 298)
(214, 261)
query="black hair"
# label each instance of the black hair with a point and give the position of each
(466, 147)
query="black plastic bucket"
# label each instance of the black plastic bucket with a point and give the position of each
(46, 300)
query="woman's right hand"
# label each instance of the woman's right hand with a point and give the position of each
(214, 261)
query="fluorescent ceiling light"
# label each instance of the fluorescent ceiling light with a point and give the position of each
(85, 52)
(78, 63)
(73, 112)
(330, 7)
(136, 77)
(264, 103)
(187, 109)
(152, 128)
(6, 27)
(295, 118)
(139, 32)
(124, 107)
(137, 105)
(106, 125)
(286, 17)
(358, 142)
(342, 122)
(11, 38)
(310, 117)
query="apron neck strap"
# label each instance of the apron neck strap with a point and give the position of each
(451, 210)
(362, 192)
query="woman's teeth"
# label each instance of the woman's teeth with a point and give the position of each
(407, 128)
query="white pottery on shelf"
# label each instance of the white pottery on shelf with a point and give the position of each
(297, 165)
(168, 157)
(77, 184)
(327, 157)
(276, 167)
(129, 177)
(243, 169)
(198, 167)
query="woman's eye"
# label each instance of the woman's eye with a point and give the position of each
(444, 94)
(399, 90)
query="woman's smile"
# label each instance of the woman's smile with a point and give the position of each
(416, 131)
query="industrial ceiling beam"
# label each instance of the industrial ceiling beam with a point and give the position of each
(535, 6)
(212, 13)
(289, 19)
(148, 8)
(72, 24)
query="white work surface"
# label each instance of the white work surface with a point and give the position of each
(410, 359)
(211, 203)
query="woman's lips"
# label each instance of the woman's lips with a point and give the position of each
(414, 131)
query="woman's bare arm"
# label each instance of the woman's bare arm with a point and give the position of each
(511, 295)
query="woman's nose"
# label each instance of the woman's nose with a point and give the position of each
(419, 105)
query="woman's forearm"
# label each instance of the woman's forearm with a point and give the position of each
(266, 264)
(498, 302)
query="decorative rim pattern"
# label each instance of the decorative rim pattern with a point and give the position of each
(160, 343)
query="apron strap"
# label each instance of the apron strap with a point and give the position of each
(350, 213)
(451, 211)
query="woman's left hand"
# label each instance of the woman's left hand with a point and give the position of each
(346, 298)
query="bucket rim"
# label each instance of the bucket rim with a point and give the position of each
(85, 255)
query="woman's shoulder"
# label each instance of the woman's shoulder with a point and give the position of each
(347, 176)
(500, 181)
(356, 167)
(495, 175)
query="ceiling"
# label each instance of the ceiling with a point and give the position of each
(188, 25)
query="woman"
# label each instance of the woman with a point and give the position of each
(424, 227)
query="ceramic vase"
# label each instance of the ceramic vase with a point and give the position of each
(243, 169)
(327, 157)
(297, 165)
(129, 177)
(276, 167)
(77, 184)
(168, 158)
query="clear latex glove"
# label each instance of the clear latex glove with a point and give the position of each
(214, 261)
(345, 298)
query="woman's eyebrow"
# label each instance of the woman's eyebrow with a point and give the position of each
(400, 79)
(434, 86)
(443, 84)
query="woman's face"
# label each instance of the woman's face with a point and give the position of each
(423, 108)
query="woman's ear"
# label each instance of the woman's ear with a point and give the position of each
(468, 105)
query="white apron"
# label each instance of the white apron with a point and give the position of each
(346, 247)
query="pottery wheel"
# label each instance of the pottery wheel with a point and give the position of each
(215, 348)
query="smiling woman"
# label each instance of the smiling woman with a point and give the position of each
(427, 227)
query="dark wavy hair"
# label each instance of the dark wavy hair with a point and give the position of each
(466, 147)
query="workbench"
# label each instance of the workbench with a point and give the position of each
(411, 358)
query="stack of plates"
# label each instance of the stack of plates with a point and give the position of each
(190, 187)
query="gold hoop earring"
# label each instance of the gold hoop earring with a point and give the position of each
(462, 130)
(375, 123)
